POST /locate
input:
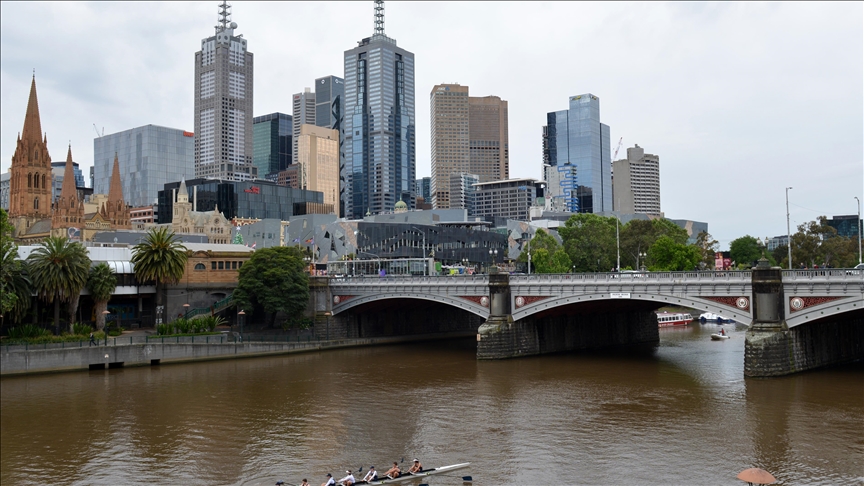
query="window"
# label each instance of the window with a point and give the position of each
(233, 265)
(212, 265)
(221, 265)
(200, 266)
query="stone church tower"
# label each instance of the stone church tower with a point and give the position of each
(68, 209)
(115, 210)
(182, 205)
(30, 179)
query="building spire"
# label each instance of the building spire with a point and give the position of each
(379, 17)
(115, 190)
(32, 124)
(224, 15)
(68, 191)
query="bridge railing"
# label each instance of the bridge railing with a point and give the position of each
(824, 273)
(635, 277)
(413, 279)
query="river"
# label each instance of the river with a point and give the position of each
(678, 413)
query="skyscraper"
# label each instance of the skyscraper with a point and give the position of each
(329, 101)
(223, 104)
(379, 128)
(636, 184)
(304, 114)
(318, 157)
(577, 159)
(469, 135)
(272, 144)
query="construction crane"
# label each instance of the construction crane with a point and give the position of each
(97, 131)
(615, 155)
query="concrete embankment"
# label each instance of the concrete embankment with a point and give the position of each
(20, 362)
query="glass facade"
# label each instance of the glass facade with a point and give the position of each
(577, 147)
(272, 138)
(329, 100)
(246, 199)
(424, 188)
(149, 157)
(379, 165)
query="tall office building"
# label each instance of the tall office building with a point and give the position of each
(149, 157)
(636, 183)
(329, 98)
(379, 128)
(423, 188)
(304, 114)
(318, 158)
(462, 191)
(577, 159)
(469, 135)
(223, 104)
(272, 144)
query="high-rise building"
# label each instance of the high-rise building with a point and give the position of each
(149, 157)
(636, 182)
(423, 188)
(329, 113)
(318, 158)
(272, 144)
(576, 157)
(379, 125)
(223, 104)
(469, 135)
(463, 191)
(509, 199)
(304, 114)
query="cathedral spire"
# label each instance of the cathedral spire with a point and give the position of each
(32, 123)
(68, 191)
(115, 190)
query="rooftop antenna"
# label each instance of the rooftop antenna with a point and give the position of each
(379, 17)
(224, 15)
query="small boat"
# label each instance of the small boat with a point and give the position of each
(712, 317)
(719, 337)
(426, 472)
(668, 319)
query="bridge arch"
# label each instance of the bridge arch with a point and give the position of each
(849, 304)
(461, 303)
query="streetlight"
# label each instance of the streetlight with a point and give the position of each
(641, 258)
(105, 315)
(241, 316)
(788, 232)
(528, 248)
(617, 245)
(185, 309)
(858, 224)
(493, 255)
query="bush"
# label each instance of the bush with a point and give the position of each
(28, 331)
(297, 322)
(209, 323)
(183, 325)
(81, 329)
(164, 329)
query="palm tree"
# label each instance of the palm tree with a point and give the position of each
(14, 282)
(101, 283)
(59, 269)
(160, 257)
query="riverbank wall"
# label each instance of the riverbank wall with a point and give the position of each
(33, 361)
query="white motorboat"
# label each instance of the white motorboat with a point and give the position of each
(426, 472)
(719, 337)
(712, 317)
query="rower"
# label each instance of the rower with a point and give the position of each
(348, 480)
(372, 475)
(394, 471)
(416, 468)
(330, 481)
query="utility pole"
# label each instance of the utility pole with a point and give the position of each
(788, 234)
(858, 224)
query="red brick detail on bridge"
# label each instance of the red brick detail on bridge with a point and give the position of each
(740, 303)
(341, 298)
(477, 299)
(526, 300)
(800, 303)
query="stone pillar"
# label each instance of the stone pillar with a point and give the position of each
(320, 308)
(767, 342)
(498, 337)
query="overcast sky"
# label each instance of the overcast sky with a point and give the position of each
(739, 100)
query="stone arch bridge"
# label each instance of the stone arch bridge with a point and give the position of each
(815, 316)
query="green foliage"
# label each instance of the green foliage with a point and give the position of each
(161, 257)
(183, 326)
(273, 280)
(164, 329)
(81, 329)
(238, 238)
(817, 243)
(15, 286)
(101, 282)
(746, 251)
(59, 270)
(209, 323)
(297, 322)
(637, 236)
(589, 241)
(547, 256)
(666, 254)
(707, 246)
(27, 331)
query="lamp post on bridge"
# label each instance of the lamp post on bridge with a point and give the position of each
(788, 232)
(493, 256)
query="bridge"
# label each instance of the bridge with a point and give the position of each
(519, 315)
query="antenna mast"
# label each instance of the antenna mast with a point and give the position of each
(224, 16)
(379, 17)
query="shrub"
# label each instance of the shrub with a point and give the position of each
(209, 323)
(183, 325)
(81, 329)
(164, 329)
(28, 331)
(297, 322)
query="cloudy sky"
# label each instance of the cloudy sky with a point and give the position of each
(739, 100)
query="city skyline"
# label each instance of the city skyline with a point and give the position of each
(762, 96)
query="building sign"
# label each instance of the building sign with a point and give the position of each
(253, 190)
(619, 295)
(188, 134)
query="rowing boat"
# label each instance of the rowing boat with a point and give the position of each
(719, 337)
(426, 472)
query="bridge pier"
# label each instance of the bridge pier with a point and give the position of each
(773, 349)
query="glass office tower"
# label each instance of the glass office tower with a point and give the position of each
(329, 98)
(271, 150)
(379, 125)
(577, 159)
(149, 157)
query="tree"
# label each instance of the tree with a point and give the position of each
(273, 280)
(59, 269)
(547, 256)
(589, 241)
(745, 250)
(161, 257)
(101, 283)
(638, 235)
(707, 246)
(666, 254)
(14, 282)
(817, 243)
